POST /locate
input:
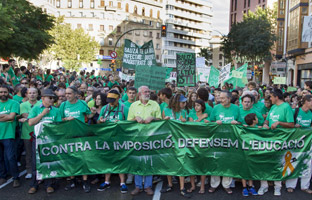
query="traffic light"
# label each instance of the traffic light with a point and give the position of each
(163, 31)
(113, 65)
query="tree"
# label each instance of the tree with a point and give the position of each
(24, 29)
(73, 47)
(120, 53)
(252, 39)
(206, 53)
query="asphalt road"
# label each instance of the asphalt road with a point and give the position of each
(8, 193)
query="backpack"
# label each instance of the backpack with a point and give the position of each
(116, 112)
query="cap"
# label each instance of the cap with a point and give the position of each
(182, 98)
(112, 96)
(47, 93)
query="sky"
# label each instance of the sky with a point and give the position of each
(220, 20)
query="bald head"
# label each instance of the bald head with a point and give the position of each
(32, 94)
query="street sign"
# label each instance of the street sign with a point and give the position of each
(252, 73)
(113, 54)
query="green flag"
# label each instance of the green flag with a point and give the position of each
(238, 77)
(213, 77)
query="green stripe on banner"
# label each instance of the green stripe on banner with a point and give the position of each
(171, 148)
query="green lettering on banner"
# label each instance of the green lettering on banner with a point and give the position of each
(279, 80)
(186, 69)
(153, 77)
(171, 148)
(135, 55)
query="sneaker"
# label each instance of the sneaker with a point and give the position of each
(32, 190)
(277, 192)
(185, 193)
(123, 189)
(50, 190)
(245, 192)
(232, 184)
(16, 183)
(252, 191)
(129, 180)
(103, 187)
(86, 186)
(167, 189)
(156, 179)
(262, 190)
(174, 180)
(28, 176)
(19, 164)
(70, 185)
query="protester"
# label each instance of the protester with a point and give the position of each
(144, 111)
(44, 112)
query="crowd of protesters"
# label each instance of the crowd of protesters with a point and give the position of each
(30, 95)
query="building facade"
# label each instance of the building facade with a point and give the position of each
(107, 20)
(217, 54)
(296, 54)
(189, 26)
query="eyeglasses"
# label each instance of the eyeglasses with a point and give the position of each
(24, 82)
(51, 98)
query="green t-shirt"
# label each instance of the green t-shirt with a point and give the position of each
(162, 106)
(17, 98)
(226, 115)
(194, 117)
(127, 107)
(77, 110)
(11, 72)
(176, 116)
(39, 77)
(110, 84)
(265, 110)
(26, 129)
(17, 80)
(304, 119)
(48, 78)
(7, 129)
(243, 114)
(53, 116)
(6, 77)
(125, 97)
(281, 113)
(208, 109)
(258, 106)
(91, 103)
(112, 114)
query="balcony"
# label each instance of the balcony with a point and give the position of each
(181, 49)
(181, 40)
(199, 26)
(187, 15)
(199, 35)
(200, 9)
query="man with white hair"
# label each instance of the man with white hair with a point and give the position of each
(144, 111)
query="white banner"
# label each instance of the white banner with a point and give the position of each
(203, 74)
(307, 29)
(224, 73)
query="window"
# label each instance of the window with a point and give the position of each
(78, 25)
(220, 64)
(111, 28)
(58, 3)
(143, 12)
(92, 14)
(158, 14)
(157, 57)
(69, 3)
(245, 1)
(90, 27)
(135, 11)
(248, 3)
(118, 29)
(127, 7)
(80, 3)
(101, 52)
(220, 56)
(158, 35)
(151, 13)
(109, 52)
(110, 41)
(157, 24)
(102, 3)
(101, 27)
(110, 4)
(151, 23)
(92, 4)
(119, 5)
(157, 46)
(145, 33)
(151, 34)
(81, 14)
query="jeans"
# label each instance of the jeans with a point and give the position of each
(7, 150)
(148, 181)
(34, 183)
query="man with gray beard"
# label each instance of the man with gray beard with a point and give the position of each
(144, 111)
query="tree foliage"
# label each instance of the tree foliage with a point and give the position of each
(252, 39)
(206, 53)
(73, 46)
(120, 53)
(24, 29)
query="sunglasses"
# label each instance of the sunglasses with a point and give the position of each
(51, 98)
